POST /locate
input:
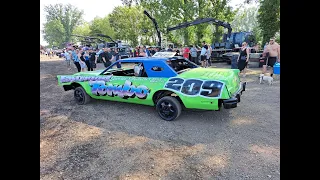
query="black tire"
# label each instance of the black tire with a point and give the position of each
(81, 96)
(168, 108)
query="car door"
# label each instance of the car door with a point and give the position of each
(123, 86)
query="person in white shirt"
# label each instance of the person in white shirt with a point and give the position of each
(67, 57)
(203, 54)
(209, 51)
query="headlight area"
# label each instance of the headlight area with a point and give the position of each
(235, 99)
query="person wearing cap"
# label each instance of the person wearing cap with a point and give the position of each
(146, 51)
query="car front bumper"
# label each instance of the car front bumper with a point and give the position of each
(235, 99)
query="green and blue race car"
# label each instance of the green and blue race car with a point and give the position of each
(165, 81)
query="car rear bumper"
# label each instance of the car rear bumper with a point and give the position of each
(235, 99)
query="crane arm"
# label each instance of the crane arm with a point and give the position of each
(200, 21)
(155, 25)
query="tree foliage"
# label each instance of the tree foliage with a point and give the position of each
(101, 26)
(60, 16)
(247, 20)
(170, 13)
(54, 33)
(269, 18)
(128, 22)
(83, 29)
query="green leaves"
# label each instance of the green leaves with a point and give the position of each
(101, 26)
(269, 18)
(246, 20)
(128, 22)
(61, 20)
(54, 32)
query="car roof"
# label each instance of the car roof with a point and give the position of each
(142, 59)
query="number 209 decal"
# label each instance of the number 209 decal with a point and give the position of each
(195, 87)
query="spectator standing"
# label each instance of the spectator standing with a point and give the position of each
(82, 61)
(92, 60)
(76, 59)
(203, 54)
(186, 52)
(209, 55)
(273, 49)
(117, 57)
(243, 58)
(194, 54)
(86, 57)
(106, 58)
(67, 56)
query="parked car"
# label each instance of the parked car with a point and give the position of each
(165, 81)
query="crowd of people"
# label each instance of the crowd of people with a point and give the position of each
(87, 58)
(48, 52)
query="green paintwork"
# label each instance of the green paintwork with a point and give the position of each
(228, 76)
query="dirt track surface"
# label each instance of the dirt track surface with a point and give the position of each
(111, 140)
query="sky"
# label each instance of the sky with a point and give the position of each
(91, 8)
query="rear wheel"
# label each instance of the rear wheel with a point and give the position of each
(81, 96)
(168, 108)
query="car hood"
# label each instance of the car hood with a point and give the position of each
(228, 76)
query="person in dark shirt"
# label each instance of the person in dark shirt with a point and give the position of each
(153, 51)
(177, 53)
(136, 52)
(92, 60)
(87, 61)
(243, 58)
(106, 57)
(117, 57)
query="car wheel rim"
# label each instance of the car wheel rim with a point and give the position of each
(167, 110)
(79, 96)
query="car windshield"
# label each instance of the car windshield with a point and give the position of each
(180, 64)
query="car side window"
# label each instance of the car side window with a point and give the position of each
(157, 68)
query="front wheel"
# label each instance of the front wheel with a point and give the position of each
(168, 108)
(81, 96)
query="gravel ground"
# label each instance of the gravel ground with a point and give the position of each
(111, 140)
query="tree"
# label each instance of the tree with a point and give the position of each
(169, 13)
(54, 33)
(269, 18)
(126, 23)
(221, 11)
(62, 16)
(83, 29)
(246, 20)
(102, 26)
